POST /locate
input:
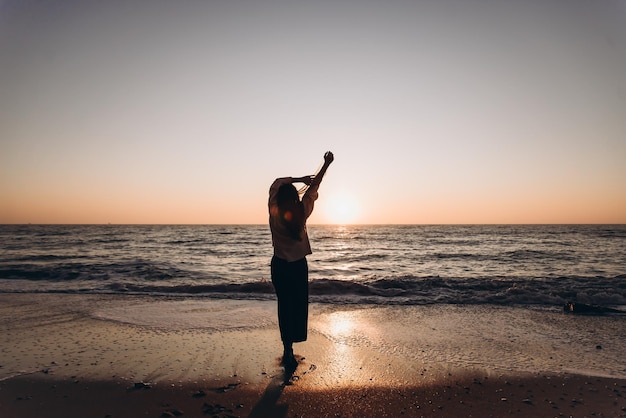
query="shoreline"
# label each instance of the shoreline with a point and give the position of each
(58, 356)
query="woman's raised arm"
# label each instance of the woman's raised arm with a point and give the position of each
(328, 159)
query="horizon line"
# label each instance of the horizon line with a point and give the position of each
(311, 224)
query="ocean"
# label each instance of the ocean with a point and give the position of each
(542, 265)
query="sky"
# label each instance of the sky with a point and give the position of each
(437, 111)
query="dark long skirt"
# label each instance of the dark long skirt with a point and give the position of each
(291, 283)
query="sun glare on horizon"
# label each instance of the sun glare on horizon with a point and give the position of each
(341, 209)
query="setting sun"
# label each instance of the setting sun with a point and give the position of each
(340, 209)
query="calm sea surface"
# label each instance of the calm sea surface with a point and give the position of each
(519, 265)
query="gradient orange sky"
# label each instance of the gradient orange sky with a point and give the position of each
(438, 111)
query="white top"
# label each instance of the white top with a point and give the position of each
(285, 246)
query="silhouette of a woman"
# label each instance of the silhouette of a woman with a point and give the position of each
(290, 273)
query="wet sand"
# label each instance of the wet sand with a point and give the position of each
(59, 357)
(46, 396)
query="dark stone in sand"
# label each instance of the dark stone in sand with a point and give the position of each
(227, 388)
(198, 394)
(140, 386)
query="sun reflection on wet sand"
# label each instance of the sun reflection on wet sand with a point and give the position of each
(347, 359)
(341, 324)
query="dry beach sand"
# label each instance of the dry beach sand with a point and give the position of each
(129, 356)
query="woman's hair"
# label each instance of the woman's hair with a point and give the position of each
(291, 210)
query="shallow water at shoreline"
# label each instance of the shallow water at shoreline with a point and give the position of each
(504, 340)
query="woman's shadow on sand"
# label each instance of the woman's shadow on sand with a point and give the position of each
(267, 406)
